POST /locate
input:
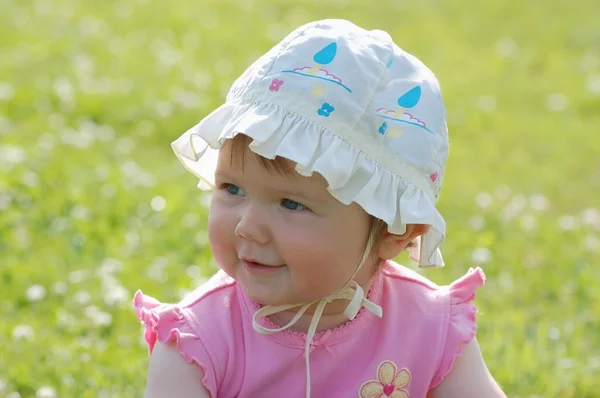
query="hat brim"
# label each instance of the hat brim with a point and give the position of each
(352, 175)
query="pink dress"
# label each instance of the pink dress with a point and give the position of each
(404, 354)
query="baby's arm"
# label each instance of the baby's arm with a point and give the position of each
(169, 375)
(469, 378)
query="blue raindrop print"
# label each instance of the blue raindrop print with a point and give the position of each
(410, 98)
(326, 55)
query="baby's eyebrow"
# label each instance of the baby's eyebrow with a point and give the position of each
(281, 192)
(225, 175)
(295, 194)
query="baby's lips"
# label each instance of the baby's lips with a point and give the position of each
(256, 262)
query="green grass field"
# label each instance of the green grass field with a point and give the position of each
(93, 204)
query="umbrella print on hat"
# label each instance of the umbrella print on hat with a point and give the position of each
(408, 100)
(322, 57)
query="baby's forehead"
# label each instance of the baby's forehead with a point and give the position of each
(235, 157)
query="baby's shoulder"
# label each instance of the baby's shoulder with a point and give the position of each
(405, 280)
(204, 326)
(442, 319)
(401, 274)
(213, 307)
(408, 286)
(206, 314)
(220, 285)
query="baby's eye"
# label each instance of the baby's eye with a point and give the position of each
(292, 205)
(233, 189)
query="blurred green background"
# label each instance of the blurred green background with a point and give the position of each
(93, 204)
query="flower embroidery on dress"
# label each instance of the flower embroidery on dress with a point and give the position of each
(390, 382)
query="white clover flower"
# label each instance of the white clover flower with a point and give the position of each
(539, 202)
(158, 203)
(82, 297)
(23, 332)
(35, 293)
(481, 255)
(46, 392)
(567, 223)
(484, 200)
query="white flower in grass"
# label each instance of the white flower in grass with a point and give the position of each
(80, 212)
(46, 392)
(567, 223)
(477, 223)
(484, 200)
(7, 91)
(12, 154)
(506, 47)
(514, 207)
(23, 332)
(591, 243)
(566, 363)
(82, 297)
(481, 255)
(539, 202)
(158, 203)
(591, 216)
(35, 293)
(503, 192)
(589, 62)
(5, 202)
(97, 316)
(59, 288)
(554, 333)
(593, 84)
(110, 266)
(557, 102)
(116, 295)
(486, 103)
(528, 222)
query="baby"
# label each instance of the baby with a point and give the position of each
(326, 160)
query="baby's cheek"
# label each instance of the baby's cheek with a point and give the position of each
(221, 241)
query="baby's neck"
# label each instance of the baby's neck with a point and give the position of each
(333, 315)
(326, 322)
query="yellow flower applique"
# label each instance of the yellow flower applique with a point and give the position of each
(390, 382)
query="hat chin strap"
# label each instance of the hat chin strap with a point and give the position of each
(351, 291)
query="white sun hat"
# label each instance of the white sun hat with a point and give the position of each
(348, 104)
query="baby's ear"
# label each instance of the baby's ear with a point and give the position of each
(392, 245)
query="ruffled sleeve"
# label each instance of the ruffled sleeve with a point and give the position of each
(462, 322)
(167, 322)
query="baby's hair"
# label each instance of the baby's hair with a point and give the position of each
(280, 165)
(240, 142)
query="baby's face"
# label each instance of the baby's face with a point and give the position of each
(309, 244)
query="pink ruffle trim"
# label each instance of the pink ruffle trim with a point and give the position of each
(165, 323)
(463, 320)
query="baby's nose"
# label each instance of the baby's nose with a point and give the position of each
(253, 226)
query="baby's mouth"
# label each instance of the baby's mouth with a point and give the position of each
(255, 265)
(265, 265)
